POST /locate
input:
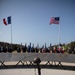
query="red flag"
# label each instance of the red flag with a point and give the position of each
(4, 21)
(54, 20)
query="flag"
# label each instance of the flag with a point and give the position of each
(7, 20)
(54, 20)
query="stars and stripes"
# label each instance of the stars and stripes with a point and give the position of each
(54, 20)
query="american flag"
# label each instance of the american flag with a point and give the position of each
(54, 20)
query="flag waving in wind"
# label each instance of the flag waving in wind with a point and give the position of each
(54, 20)
(7, 20)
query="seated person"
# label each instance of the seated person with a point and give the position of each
(24, 48)
(10, 49)
(18, 49)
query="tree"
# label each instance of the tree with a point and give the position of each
(72, 45)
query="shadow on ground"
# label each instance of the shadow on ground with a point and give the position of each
(62, 67)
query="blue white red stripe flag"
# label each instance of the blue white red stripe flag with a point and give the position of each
(54, 20)
(7, 20)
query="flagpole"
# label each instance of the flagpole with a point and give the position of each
(11, 31)
(55, 20)
(59, 34)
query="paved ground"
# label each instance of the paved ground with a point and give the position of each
(34, 72)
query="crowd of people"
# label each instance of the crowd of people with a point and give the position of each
(6, 49)
(29, 48)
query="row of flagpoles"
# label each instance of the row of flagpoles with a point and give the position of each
(53, 20)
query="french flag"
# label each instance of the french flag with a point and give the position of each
(7, 20)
